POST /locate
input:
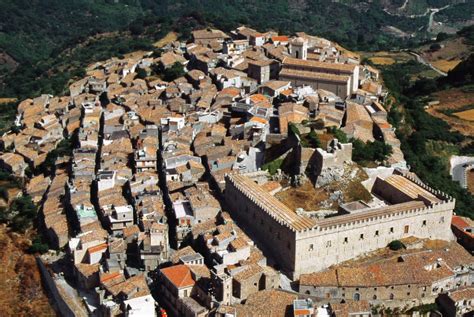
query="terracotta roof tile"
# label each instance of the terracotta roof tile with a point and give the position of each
(179, 275)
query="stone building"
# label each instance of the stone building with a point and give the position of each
(299, 48)
(337, 84)
(300, 244)
(341, 79)
(252, 279)
(263, 70)
(332, 160)
(462, 229)
(457, 303)
(155, 246)
(413, 278)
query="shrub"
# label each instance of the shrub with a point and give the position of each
(21, 213)
(174, 72)
(435, 47)
(38, 246)
(339, 135)
(396, 245)
(141, 73)
(370, 151)
(273, 166)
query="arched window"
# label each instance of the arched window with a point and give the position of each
(307, 292)
(374, 297)
(392, 296)
(356, 296)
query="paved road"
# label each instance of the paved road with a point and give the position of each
(431, 19)
(421, 60)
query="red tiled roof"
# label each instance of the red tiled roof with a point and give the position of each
(281, 38)
(106, 277)
(459, 222)
(97, 248)
(179, 275)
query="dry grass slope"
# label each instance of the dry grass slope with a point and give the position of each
(21, 293)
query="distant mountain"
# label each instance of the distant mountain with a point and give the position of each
(39, 35)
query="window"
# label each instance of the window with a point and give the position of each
(185, 293)
(278, 236)
(311, 247)
(346, 240)
(391, 230)
(261, 221)
(361, 236)
(288, 245)
(328, 244)
(374, 297)
(441, 220)
(392, 296)
(376, 233)
(408, 293)
(357, 297)
(407, 229)
(424, 223)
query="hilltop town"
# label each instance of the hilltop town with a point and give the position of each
(234, 174)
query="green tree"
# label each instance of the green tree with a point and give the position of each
(313, 140)
(435, 47)
(21, 213)
(141, 73)
(339, 135)
(396, 245)
(38, 246)
(370, 151)
(174, 72)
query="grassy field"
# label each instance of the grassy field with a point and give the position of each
(7, 100)
(386, 58)
(305, 196)
(445, 65)
(382, 60)
(169, 38)
(455, 107)
(466, 115)
(451, 53)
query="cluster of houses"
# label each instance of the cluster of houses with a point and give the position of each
(137, 205)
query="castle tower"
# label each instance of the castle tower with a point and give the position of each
(299, 48)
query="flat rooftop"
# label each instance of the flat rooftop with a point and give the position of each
(311, 75)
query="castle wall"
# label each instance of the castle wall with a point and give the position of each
(341, 238)
(342, 90)
(321, 247)
(271, 236)
(372, 294)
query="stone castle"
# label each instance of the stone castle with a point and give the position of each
(300, 244)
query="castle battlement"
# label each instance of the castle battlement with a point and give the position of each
(302, 245)
(377, 215)
(269, 204)
(438, 193)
